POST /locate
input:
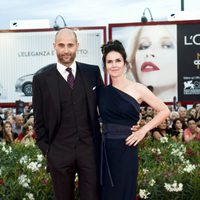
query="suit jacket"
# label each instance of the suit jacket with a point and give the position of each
(46, 102)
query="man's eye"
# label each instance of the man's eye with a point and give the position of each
(70, 45)
(61, 45)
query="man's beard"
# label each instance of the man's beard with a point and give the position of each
(68, 61)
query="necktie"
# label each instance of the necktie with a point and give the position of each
(70, 77)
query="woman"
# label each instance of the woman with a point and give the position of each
(153, 55)
(197, 107)
(192, 132)
(119, 106)
(177, 127)
(27, 133)
(1, 129)
(160, 131)
(164, 131)
(8, 135)
(192, 113)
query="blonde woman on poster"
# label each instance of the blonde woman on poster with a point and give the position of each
(153, 59)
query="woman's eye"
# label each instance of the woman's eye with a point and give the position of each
(109, 61)
(118, 60)
(167, 45)
(144, 46)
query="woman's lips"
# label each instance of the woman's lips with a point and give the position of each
(149, 67)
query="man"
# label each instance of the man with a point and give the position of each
(18, 125)
(66, 120)
(182, 111)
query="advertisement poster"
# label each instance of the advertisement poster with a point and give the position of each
(189, 62)
(152, 56)
(24, 53)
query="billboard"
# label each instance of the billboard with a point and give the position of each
(163, 55)
(188, 62)
(23, 53)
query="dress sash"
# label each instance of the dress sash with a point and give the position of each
(111, 131)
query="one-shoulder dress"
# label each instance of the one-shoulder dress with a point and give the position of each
(119, 162)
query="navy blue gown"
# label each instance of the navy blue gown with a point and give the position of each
(119, 165)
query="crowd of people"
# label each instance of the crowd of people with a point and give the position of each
(182, 125)
(16, 128)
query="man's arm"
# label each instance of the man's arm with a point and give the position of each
(39, 124)
(99, 78)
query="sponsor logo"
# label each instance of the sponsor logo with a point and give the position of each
(82, 51)
(35, 53)
(197, 61)
(191, 87)
(192, 40)
(188, 84)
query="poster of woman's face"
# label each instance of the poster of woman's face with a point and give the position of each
(152, 55)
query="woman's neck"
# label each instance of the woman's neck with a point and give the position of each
(119, 81)
(163, 132)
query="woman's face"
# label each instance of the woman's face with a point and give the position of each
(192, 125)
(29, 130)
(163, 125)
(197, 107)
(193, 112)
(7, 128)
(10, 119)
(156, 57)
(115, 65)
(178, 124)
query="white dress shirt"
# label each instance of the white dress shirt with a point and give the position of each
(62, 70)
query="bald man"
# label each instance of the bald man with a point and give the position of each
(18, 125)
(66, 120)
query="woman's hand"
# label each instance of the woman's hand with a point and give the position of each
(135, 128)
(135, 137)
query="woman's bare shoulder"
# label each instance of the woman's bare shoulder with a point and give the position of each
(138, 86)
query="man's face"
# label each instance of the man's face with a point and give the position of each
(182, 112)
(149, 111)
(66, 46)
(19, 121)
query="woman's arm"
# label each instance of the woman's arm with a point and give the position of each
(162, 113)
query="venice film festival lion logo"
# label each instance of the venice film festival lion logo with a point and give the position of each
(192, 87)
(188, 85)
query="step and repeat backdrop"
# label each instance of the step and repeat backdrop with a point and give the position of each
(24, 53)
(164, 56)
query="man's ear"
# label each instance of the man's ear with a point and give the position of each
(77, 45)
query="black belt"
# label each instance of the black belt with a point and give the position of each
(111, 131)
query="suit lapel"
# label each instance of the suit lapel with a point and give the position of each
(87, 87)
(52, 82)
